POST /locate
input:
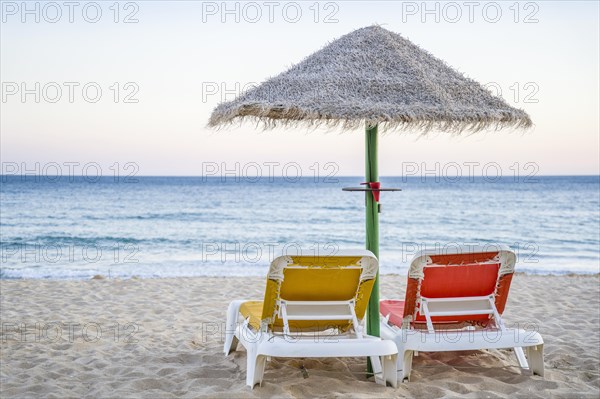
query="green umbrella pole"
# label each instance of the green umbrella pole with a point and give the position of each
(372, 219)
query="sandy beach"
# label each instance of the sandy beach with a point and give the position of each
(162, 338)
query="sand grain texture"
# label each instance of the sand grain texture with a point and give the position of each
(168, 344)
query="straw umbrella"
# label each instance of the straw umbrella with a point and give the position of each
(374, 78)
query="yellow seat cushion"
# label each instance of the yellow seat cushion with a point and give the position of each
(252, 310)
(311, 279)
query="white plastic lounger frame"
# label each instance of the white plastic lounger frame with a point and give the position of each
(496, 336)
(263, 343)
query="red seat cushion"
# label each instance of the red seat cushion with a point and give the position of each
(454, 281)
(443, 281)
(393, 308)
(459, 280)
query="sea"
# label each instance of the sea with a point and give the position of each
(73, 227)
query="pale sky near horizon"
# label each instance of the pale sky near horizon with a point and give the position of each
(543, 56)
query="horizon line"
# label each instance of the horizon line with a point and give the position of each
(25, 175)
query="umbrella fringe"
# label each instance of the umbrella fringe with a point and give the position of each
(423, 124)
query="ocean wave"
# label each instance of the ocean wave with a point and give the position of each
(78, 241)
(199, 269)
(169, 220)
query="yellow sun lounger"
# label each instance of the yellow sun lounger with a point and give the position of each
(313, 307)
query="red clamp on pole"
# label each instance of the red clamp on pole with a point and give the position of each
(375, 186)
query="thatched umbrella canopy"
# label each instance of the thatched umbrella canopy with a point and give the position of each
(372, 76)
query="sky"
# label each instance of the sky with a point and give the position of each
(129, 86)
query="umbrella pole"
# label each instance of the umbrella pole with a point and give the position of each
(372, 218)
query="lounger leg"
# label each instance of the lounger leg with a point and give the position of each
(232, 318)
(407, 364)
(521, 357)
(536, 359)
(377, 369)
(390, 373)
(255, 367)
(400, 358)
(385, 370)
